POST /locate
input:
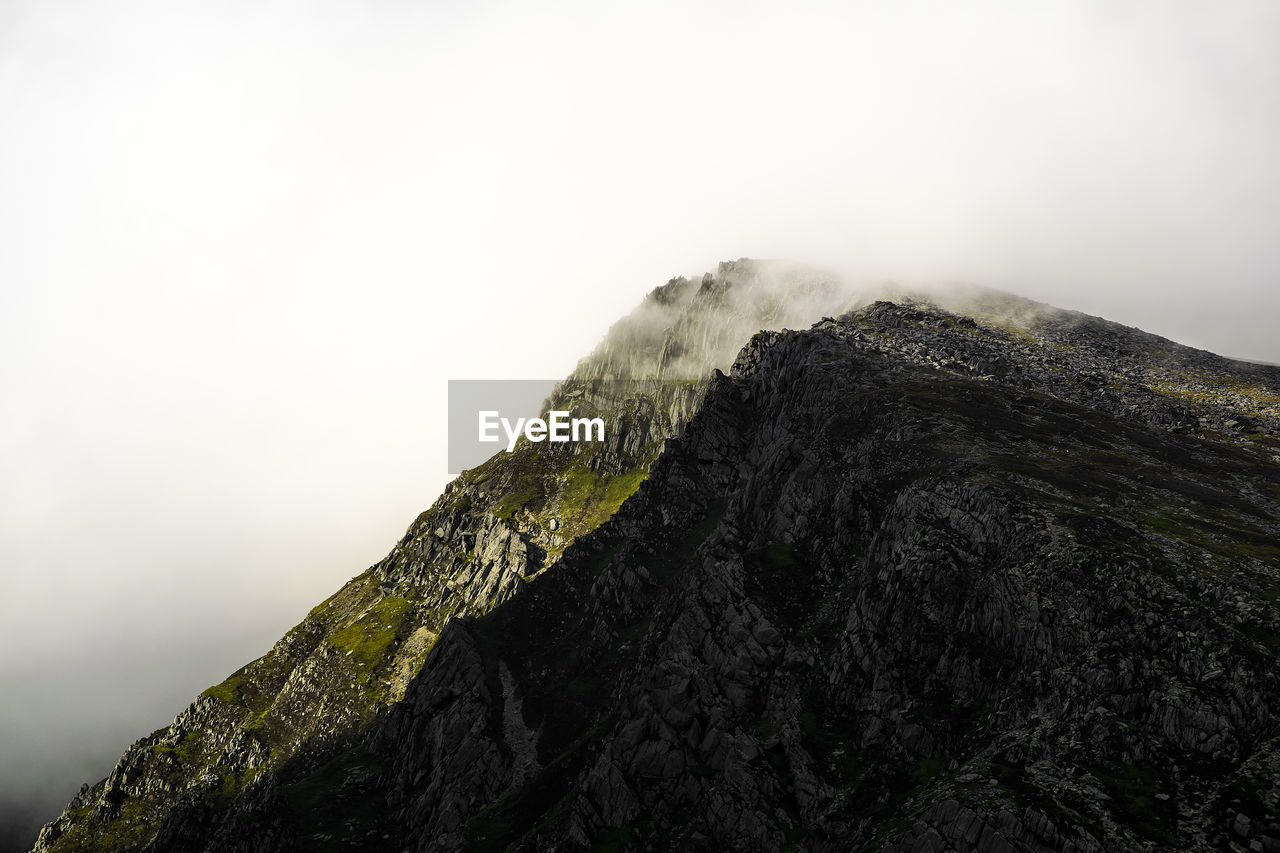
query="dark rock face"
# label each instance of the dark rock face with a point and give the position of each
(904, 581)
(861, 603)
(495, 528)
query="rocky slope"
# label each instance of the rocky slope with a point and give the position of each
(905, 580)
(495, 528)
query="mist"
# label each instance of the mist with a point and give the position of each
(244, 246)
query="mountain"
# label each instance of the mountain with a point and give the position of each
(967, 573)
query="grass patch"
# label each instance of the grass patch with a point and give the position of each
(588, 499)
(228, 691)
(366, 640)
(512, 502)
(1212, 532)
(1265, 439)
(189, 751)
(130, 830)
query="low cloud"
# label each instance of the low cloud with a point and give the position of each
(243, 249)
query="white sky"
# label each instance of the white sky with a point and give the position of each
(244, 245)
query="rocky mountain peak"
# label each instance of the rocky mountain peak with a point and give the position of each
(957, 572)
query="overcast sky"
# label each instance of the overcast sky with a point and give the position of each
(243, 245)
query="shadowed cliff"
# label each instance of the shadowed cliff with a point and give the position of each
(908, 579)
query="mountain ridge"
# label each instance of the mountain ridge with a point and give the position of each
(956, 391)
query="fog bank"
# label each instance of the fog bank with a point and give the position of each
(244, 246)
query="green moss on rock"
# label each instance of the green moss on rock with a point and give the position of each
(367, 639)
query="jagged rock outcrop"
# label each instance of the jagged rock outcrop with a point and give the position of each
(906, 580)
